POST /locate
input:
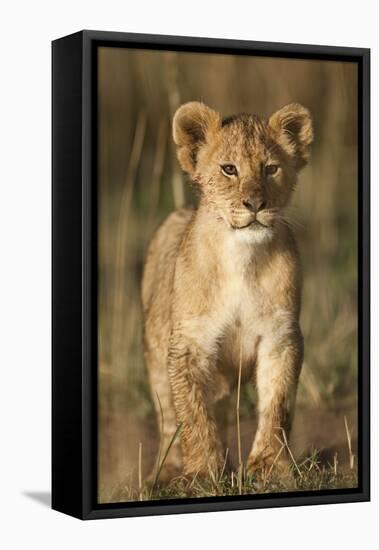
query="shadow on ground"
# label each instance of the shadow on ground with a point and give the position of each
(41, 497)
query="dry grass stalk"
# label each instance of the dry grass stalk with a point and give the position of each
(174, 99)
(285, 443)
(140, 471)
(121, 235)
(158, 166)
(335, 463)
(311, 386)
(240, 466)
(160, 466)
(224, 464)
(348, 436)
(158, 460)
(192, 483)
(275, 460)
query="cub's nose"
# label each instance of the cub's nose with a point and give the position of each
(254, 205)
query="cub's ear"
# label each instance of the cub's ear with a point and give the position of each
(294, 132)
(193, 124)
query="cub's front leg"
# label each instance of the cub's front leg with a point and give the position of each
(278, 370)
(190, 371)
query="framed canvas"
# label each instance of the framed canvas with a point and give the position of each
(210, 275)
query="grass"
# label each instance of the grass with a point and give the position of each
(308, 475)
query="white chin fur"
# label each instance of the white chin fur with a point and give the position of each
(253, 235)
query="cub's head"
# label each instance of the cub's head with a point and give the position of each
(244, 166)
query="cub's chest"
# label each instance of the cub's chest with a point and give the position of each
(242, 298)
(242, 317)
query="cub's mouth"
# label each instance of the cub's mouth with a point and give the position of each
(241, 220)
(253, 224)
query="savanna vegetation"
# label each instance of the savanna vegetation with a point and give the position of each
(140, 183)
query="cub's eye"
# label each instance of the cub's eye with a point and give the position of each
(271, 169)
(229, 169)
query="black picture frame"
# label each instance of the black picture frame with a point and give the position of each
(74, 272)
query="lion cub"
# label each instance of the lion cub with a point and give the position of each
(222, 284)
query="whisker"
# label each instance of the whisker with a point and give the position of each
(291, 223)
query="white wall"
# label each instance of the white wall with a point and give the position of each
(26, 31)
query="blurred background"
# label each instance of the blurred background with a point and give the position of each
(140, 183)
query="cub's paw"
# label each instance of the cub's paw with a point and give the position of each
(267, 464)
(167, 473)
(209, 470)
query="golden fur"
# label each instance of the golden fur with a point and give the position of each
(223, 281)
